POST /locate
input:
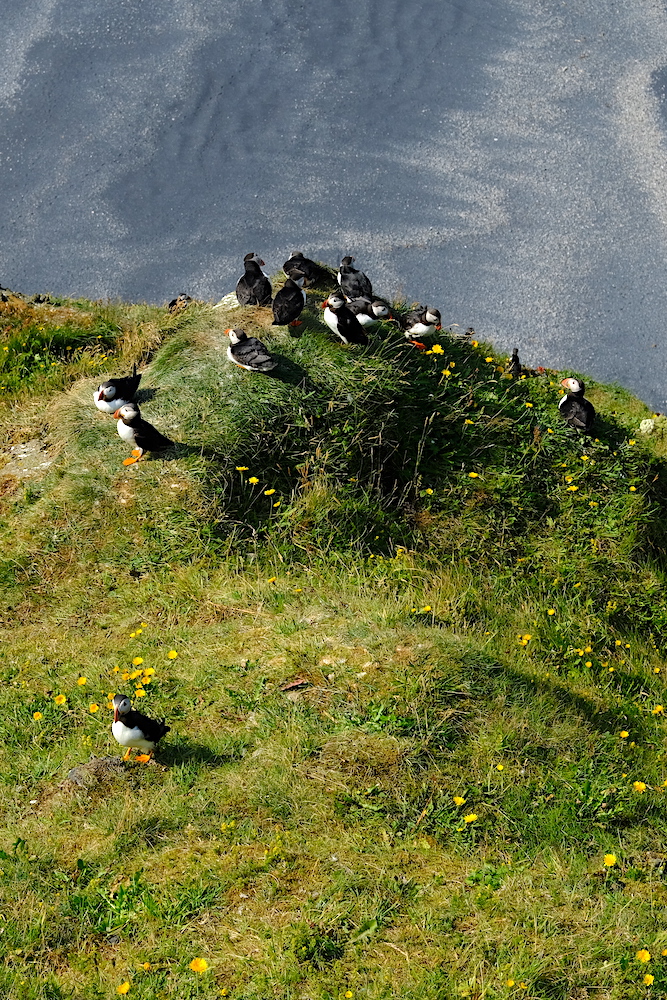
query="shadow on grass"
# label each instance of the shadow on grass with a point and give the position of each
(184, 751)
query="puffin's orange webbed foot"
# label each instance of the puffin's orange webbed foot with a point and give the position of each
(137, 452)
(127, 755)
(418, 344)
(130, 461)
(143, 758)
(296, 322)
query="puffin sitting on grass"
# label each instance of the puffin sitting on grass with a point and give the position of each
(135, 731)
(253, 287)
(290, 300)
(138, 432)
(248, 352)
(180, 303)
(420, 322)
(354, 284)
(576, 411)
(114, 393)
(369, 313)
(341, 320)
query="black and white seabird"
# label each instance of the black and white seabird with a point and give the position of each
(369, 313)
(342, 321)
(574, 409)
(289, 300)
(138, 432)
(309, 268)
(420, 322)
(514, 365)
(180, 303)
(253, 288)
(355, 284)
(248, 352)
(116, 392)
(134, 730)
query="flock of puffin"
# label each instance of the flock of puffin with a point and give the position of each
(348, 312)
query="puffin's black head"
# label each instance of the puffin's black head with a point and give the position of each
(253, 257)
(433, 316)
(347, 261)
(128, 413)
(121, 706)
(236, 336)
(574, 385)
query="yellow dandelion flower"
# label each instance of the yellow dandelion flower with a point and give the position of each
(633, 489)
(474, 343)
(588, 649)
(658, 710)
(469, 421)
(134, 675)
(94, 708)
(171, 655)
(573, 489)
(60, 699)
(522, 986)
(618, 643)
(144, 624)
(145, 680)
(549, 431)
(115, 670)
(593, 503)
(37, 716)
(609, 860)
(137, 661)
(429, 492)
(147, 966)
(624, 734)
(656, 670)
(348, 994)
(272, 579)
(199, 965)
(639, 786)
(437, 349)
(269, 493)
(82, 680)
(648, 979)
(500, 767)
(123, 988)
(470, 818)
(488, 360)
(427, 607)
(527, 637)
(133, 635)
(277, 503)
(631, 441)
(589, 663)
(551, 611)
(446, 372)
(509, 983)
(253, 480)
(125, 676)
(459, 800)
(474, 475)
(140, 693)
(241, 468)
(529, 404)
(643, 955)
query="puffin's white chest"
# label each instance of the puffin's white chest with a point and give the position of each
(562, 400)
(366, 320)
(331, 319)
(421, 329)
(130, 737)
(125, 431)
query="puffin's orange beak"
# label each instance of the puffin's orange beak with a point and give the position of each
(100, 397)
(324, 304)
(115, 715)
(116, 415)
(227, 332)
(439, 326)
(563, 383)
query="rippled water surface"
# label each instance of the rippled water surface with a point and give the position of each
(505, 160)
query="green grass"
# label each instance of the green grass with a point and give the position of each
(430, 612)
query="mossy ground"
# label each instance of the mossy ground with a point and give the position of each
(433, 590)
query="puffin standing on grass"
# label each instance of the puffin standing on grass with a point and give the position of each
(248, 352)
(138, 432)
(116, 392)
(290, 300)
(253, 288)
(355, 284)
(369, 313)
(310, 268)
(421, 322)
(134, 730)
(578, 412)
(341, 320)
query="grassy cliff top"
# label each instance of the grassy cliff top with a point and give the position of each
(407, 629)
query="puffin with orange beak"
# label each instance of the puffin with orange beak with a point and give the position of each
(134, 730)
(249, 352)
(114, 393)
(420, 322)
(576, 411)
(138, 432)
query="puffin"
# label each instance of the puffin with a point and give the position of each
(248, 352)
(514, 365)
(136, 431)
(110, 395)
(341, 320)
(369, 313)
(308, 267)
(290, 300)
(355, 284)
(253, 288)
(134, 730)
(420, 322)
(574, 409)
(180, 303)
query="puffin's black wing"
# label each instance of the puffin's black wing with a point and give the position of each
(153, 729)
(125, 387)
(148, 437)
(578, 413)
(349, 327)
(287, 304)
(309, 268)
(253, 288)
(253, 353)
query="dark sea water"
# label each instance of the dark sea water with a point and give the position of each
(505, 161)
